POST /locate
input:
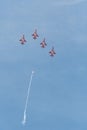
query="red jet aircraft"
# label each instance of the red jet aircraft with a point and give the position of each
(52, 52)
(43, 43)
(35, 35)
(23, 40)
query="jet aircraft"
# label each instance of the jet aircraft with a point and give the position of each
(35, 35)
(23, 40)
(43, 43)
(52, 52)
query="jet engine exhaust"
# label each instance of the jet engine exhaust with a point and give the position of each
(27, 98)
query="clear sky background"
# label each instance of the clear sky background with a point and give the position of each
(58, 96)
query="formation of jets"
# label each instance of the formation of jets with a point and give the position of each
(43, 44)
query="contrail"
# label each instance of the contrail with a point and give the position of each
(24, 118)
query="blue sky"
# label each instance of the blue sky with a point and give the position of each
(58, 96)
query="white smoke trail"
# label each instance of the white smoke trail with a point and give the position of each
(28, 93)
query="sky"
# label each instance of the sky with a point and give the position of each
(58, 95)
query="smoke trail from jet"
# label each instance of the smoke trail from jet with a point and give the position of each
(26, 103)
